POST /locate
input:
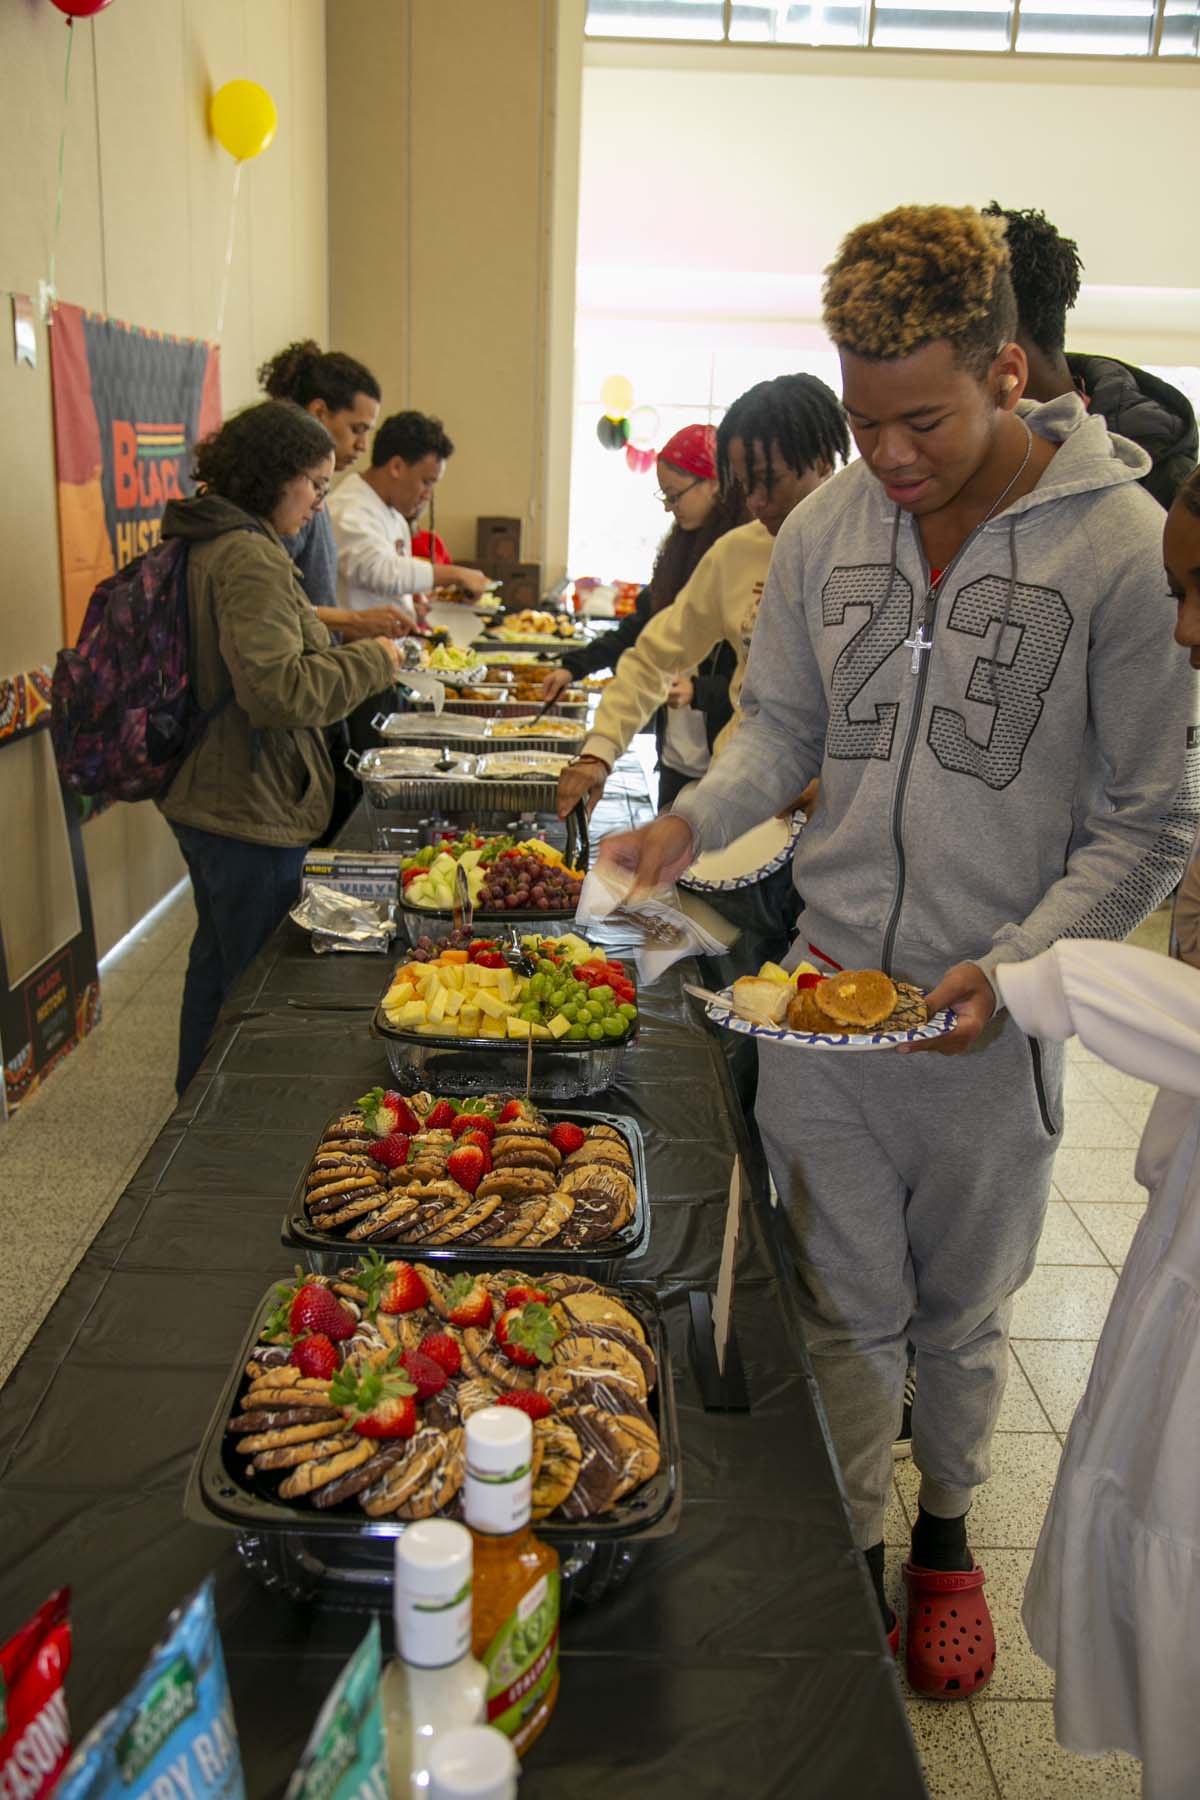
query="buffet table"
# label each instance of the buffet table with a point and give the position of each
(743, 1655)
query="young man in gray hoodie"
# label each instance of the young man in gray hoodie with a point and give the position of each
(967, 634)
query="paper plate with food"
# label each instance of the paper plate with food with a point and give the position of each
(851, 1009)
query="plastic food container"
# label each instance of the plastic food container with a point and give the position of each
(328, 1251)
(400, 800)
(344, 1559)
(496, 704)
(561, 1070)
(463, 732)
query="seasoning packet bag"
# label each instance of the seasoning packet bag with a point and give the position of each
(666, 931)
(35, 1736)
(174, 1732)
(346, 1754)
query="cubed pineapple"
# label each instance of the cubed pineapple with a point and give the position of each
(506, 982)
(469, 1019)
(487, 978)
(518, 1028)
(559, 1026)
(491, 1004)
(414, 1013)
(454, 1002)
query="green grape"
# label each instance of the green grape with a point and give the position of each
(576, 1032)
(558, 997)
(628, 1010)
(532, 1012)
(616, 1026)
(594, 1009)
(595, 1029)
(570, 1012)
(602, 993)
(537, 987)
(546, 967)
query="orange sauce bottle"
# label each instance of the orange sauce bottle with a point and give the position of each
(516, 1595)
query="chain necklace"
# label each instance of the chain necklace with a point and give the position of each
(922, 638)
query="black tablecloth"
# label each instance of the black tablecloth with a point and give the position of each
(743, 1656)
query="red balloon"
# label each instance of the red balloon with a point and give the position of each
(80, 9)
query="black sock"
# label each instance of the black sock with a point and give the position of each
(940, 1543)
(874, 1561)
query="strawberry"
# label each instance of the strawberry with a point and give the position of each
(809, 981)
(476, 1122)
(441, 1348)
(315, 1309)
(470, 1304)
(489, 959)
(428, 1376)
(441, 1117)
(384, 1113)
(535, 1406)
(404, 1292)
(481, 1142)
(512, 1109)
(521, 1296)
(392, 1151)
(467, 1165)
(527, 1334)
(567, 1137)
(316, 1357)
(376, 1403)
(480, 947)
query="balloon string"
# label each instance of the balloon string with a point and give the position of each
(62, 151)
(227, 270)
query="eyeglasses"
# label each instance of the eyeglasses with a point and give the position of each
(319, 488)
(671, 501)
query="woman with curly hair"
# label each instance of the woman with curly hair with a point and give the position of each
(698, 706)
(965, 635)
(257, 789)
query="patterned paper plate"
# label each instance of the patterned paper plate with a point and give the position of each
(721, 1013)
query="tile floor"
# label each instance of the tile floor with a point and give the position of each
(76, 1143)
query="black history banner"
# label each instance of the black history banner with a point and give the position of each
(128, 407)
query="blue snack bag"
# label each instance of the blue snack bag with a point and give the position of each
(345, 1757)
(173, 1736)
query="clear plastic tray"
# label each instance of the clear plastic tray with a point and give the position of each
(344, 1559)
(329, 1251)
(561, 1070)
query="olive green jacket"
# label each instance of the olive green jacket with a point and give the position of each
(268, 672)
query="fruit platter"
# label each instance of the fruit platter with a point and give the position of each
(526, 880)
(571, 994)
(573, 1013)
(453, 664)
(345, 1409)
(493, 1177)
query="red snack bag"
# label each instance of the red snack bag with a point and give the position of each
(35, 1736)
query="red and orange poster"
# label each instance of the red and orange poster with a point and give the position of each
(129, 405)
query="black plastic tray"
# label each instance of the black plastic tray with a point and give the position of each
(219, 1489)
(506, 1047)
(631, 1240)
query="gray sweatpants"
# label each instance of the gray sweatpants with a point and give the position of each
(916, 1188)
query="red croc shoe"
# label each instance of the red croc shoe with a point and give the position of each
(951, 1646)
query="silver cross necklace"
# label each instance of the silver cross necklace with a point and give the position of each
(922, 639)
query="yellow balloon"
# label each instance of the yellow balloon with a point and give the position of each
(243, 119)
(616, 396)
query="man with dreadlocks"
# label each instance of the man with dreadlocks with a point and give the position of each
(966, 634)
(1046, 268)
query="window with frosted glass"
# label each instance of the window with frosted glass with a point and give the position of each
(784, 22)
(942, 25)
(1046, 27)
(1087, 27)
(688, 19)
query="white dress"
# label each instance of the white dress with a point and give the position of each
(1113, 1597)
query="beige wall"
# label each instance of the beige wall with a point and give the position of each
(453, 130)
(770, 156)
(144, 224)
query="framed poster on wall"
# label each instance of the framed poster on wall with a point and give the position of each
(49, 986)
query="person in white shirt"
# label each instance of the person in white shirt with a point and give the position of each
(373, 515)
(1113, 1597)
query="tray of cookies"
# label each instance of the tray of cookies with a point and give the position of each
(342, 1417)
(489, 1178)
